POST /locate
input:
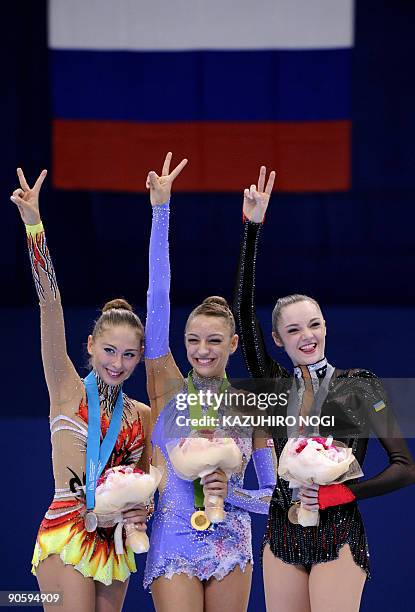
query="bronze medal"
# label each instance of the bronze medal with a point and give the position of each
(293, 513)
(199, 520)
(91, 522)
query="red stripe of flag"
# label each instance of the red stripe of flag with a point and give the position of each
(223, 156)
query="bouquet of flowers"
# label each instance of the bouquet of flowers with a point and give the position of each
(123, 488)
(306, 461)
(200, 455)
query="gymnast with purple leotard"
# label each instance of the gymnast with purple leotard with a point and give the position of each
(208, 569)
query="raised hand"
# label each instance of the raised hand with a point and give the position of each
(256, 199)
(27, 199)
(160, 186)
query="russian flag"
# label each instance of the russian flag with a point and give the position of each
(227, 83)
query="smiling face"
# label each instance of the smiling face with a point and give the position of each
(115, 352)
(209, 343)
(302, 332)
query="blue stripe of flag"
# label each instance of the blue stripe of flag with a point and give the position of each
(202, 85)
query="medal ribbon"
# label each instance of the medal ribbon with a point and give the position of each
(293, 409)
(98, 454)
(195, 412)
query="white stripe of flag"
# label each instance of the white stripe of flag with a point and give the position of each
(178, 25)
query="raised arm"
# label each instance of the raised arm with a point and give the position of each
(163, 376)
(257, 359)
(61, 377)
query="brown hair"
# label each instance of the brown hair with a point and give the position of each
(287, 301)
(118, 312)
(214, 306)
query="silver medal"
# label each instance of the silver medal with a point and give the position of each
(91, 522)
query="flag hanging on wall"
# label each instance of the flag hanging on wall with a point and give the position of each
(227, 84)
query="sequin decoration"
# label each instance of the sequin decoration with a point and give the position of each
(307, 546)
(353, 399)
(62, 530)
(176, 547)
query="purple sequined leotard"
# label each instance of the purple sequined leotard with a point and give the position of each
(175, 546)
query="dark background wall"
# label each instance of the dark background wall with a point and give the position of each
(353, 251)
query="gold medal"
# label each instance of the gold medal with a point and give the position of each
(199, 520)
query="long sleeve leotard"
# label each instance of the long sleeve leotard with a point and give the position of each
(62, 530)
(356, 400)
(174, 546)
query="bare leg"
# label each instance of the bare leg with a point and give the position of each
(180, 593)
(110, 598)
(286, 586)
(337, 585)
(231, 593)
(78, 592)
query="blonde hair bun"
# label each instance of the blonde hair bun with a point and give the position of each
(118, 312)
(216, 300)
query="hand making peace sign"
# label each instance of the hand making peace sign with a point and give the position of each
(160, 186)
(256, 200)
(27, 199)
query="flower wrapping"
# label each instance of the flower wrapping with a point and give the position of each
(200, 455)
(316, 460)
(123, 488)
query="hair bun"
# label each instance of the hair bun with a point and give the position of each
(214, 306)
(118, 303)
(216, 299)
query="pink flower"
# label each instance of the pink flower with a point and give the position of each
(302, 443)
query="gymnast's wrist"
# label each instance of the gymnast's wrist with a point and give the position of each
(249, 221)
(37, 228)
(161, 206)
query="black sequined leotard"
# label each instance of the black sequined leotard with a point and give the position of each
(357, 402)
